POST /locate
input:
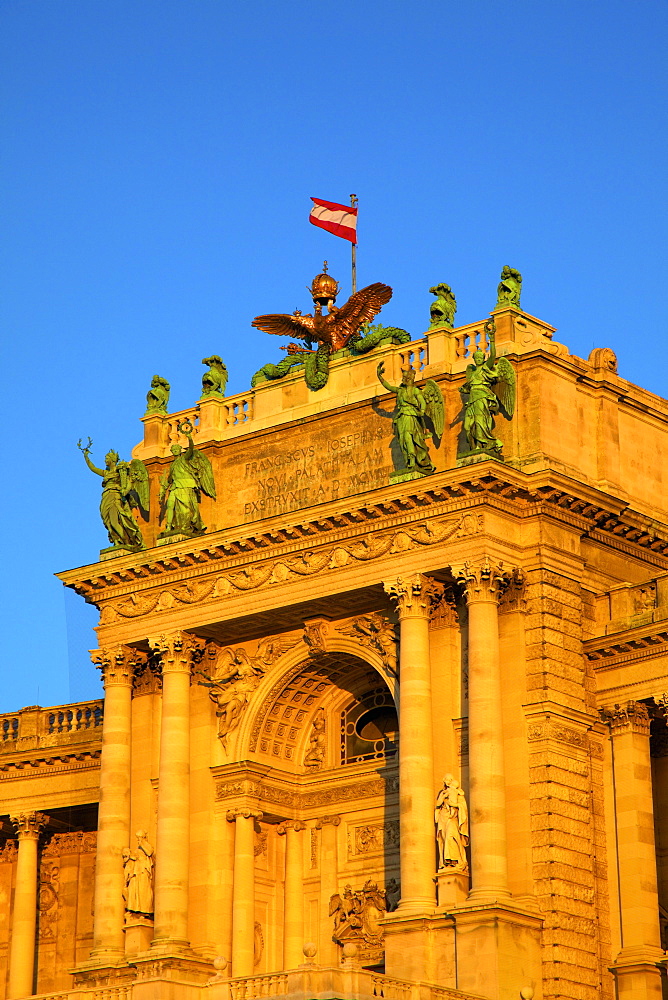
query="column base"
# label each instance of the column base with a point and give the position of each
(498, 949)
(420, 947)
(638, 973)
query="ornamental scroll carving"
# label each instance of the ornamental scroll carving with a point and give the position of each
(330, 558)
(232, 675)
(415, 594)
(376, 632)
(633, 715)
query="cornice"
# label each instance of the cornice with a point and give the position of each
(642, 642)
(33, 767)
(595, 514)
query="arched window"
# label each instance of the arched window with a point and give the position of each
(369, 728)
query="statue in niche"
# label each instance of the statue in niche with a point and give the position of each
(392, 895)
(138, 871)
(509, 290)
(214, 380)
(189, 475)
(157, 396)
(315, 753)
(125, 487)
(489, 387)
(443, 310)
(419, 414)
(452, 825)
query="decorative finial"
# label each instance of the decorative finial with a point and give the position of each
(324, 267)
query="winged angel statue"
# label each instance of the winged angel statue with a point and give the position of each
(489, 387)
(330, 332)
(189, 475)
(124, 488)
(418, 415)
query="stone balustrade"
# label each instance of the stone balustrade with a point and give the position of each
(35, 726)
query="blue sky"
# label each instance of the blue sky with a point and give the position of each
(158, 159)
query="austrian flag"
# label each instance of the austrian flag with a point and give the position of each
(338, 219)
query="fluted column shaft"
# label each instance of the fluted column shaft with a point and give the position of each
(636, 971)
(483, 584)
(113, 824)
(293, 920)
(172, 854)
(24, 920)
(243, 891)
(416, 765)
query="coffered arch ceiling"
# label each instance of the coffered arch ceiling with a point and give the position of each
(283, 721)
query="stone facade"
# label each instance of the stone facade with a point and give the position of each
(250, 810)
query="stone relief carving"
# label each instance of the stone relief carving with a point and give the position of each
(451, 817)
(70, 843)
(376, 632)
(8, 852)
(603, 359)
(315, 754)
(356, 916)
(331, 558)
(47, 900)
(138, 866)
(374, 839)
(232, 675)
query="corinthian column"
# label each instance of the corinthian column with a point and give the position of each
(417, 847)
(293, 912)
(636, 970)
(243, 892)
(172, 852)
(483, 584)
(28, 825)
(113, 825)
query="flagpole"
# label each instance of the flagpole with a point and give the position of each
(353, 203)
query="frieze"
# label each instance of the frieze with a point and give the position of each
(280, 571)
(563, 734)
(344, 793)
(626, 534)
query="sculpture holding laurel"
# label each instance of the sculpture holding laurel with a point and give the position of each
(419, 414)
(124, 487)
(181, 488)
(489, 388)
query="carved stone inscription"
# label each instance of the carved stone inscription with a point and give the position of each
(315, 470)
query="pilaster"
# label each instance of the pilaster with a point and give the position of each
(293, 910)
(636, 967)
(243, 892)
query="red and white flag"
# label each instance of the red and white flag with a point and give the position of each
(338, 219)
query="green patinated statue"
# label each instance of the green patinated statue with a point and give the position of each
(443, 310)
(189, 475)
(157, 396)
(214, 380)
(124, 487)
(418, 415)
(509, 290)
(489, 388)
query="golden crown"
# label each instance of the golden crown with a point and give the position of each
(324, 286)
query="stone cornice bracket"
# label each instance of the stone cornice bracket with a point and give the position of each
(633, 716)
(415, 595)
(326, 821)
(486, 580)
(290, 824)
(255, 814)
(29, 825)
(178, 651)
(117, 663)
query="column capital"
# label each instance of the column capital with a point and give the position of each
(486, 580)
(117, 664)
(633, 716)
(327, 821)
(233, 814)
(29, 825)
(415, 594)
(290, 824)
(177, 650)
